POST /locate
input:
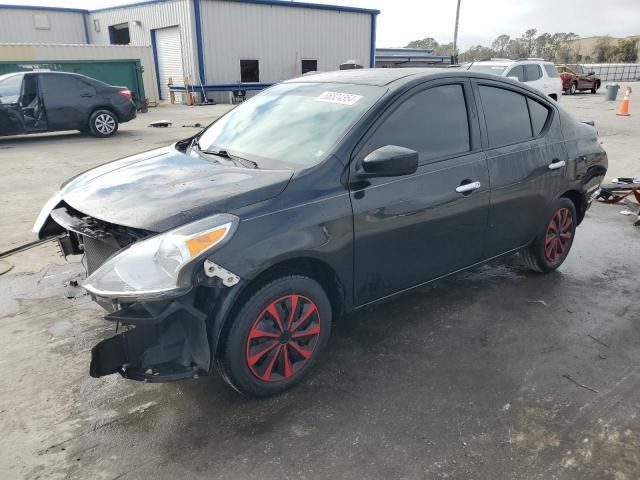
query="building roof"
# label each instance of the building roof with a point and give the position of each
(282, 3)
(404, 51)
(39, 7)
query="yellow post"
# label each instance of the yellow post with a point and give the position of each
(172, 95)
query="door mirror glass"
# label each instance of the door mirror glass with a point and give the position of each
(390, 161)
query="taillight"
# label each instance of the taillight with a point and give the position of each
(125, 93)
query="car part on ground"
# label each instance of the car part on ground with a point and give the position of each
(160, 124)
(236, 248)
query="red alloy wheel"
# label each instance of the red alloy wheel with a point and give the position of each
(283, 338)
(558, 237)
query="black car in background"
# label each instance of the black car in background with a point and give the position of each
(237, 248)
(37, 102)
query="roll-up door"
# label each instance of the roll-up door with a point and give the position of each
(169, 56)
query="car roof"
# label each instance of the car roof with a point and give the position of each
(492, 63)
(11, 74)
(371, 76)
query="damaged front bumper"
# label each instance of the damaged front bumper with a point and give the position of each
(162, 341)
(163, 335)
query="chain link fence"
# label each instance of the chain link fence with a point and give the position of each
(609, 72)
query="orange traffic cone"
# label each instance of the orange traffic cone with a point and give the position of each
(624, 106)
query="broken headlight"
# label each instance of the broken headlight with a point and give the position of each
(157, 266)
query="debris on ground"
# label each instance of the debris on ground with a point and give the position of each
(160, 124)
(618, 190)
(598, 340)
(72, 288)
(571, 379)
(195, 125)
(5, 267)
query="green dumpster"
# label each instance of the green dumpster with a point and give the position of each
(125, 73)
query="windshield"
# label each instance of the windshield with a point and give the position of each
(296, 123)
(491, 69)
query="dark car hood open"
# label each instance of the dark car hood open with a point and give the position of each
(165, 188)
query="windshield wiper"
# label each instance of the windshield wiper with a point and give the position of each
(234, 158)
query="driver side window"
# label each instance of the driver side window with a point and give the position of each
(433, 122)
(10, 89)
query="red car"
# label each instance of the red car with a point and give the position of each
(575, 79)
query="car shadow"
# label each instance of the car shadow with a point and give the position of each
(17, 140)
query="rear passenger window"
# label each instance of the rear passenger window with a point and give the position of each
(532, 72)
(517, 72)
(506, 115)
(433, 122)
(552, 71)
(64, 85)
(539, 114)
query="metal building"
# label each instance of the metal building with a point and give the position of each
(220, 45)
(215, 45)
(22, 24)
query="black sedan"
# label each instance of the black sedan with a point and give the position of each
(37, 102)
(236, 249)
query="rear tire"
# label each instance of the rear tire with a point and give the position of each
(103, 123)
(277, 336)
(552, 245)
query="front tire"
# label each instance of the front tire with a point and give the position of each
(573, 89)
(103, 123)
(277, 336)
(552, 245)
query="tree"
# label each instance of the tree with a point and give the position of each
(443, 49)
(516, 49)
(500, 44)
(603, 49)
(428, 42)
(563, 48)
(475, 53)
(529, 40)
(543, 46)
(626, 51)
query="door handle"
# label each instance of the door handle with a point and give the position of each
(556, 164)
(468, 187)
(86, 95)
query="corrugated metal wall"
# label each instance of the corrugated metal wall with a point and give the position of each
(51, 53)
(152, 16)
(18, 26)
(279, 37)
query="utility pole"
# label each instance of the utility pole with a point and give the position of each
(454, 57)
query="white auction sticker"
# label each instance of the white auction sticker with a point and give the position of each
(337, 97)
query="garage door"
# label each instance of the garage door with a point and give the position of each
(169, 52)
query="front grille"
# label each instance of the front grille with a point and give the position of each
(96, 252)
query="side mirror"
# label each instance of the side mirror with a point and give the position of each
(591, 73)
(390, 161)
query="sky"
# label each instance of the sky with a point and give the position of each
(481, 21)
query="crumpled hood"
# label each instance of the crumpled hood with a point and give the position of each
(165, 188)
